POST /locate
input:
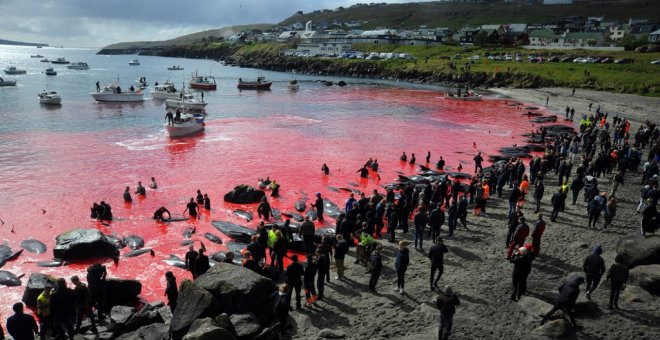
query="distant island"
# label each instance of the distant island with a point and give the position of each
(21, 43)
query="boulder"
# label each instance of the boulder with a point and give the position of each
(193, 303)
(83, 244)
(237, 290)
(535, 308)
(647, 277)
(637, 251)
(246, 325)
(146, 316)
(119, 291)
(636, 294)
(223, 321)
(207, 329)
(156, 331)
(120, 314)
(328, 333)
(35, 286)
(166, 314)
(553, 329)
(244, 194)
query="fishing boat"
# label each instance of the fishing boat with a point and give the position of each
(114, 93)
(186, 102)
(293, 85)
(134, 62)
(80, 65)
(14, 70)
(142, 82)
(45, 60)
(202, 82)
(188, 124)
(36, 56)
(260, 84)
(50, 72)
(175, 68)
(49, 98)
(469, 97)
(165, 91)
(60, 61)
(7, 82)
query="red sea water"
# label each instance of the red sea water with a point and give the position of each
(63, 159)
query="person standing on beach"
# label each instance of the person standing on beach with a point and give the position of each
(20, 325)
(446, 303)
(477, 162)
(539, 189)
(421, 219)
(436, 220)
(43, 312)
(594, 268)
(376, 260)
(437, 257)
(62, 307)
(441, 164)
(518, 237)
(307, 232)
(293, 274)
(537, 232)
(557, 201)
(341, 248)
(401, 261)
(308, 278)
(618, 276)
(171, 290)
(522, 266)
(323, 272)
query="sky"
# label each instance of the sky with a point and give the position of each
(98, 23)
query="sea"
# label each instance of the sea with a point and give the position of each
(55, 161)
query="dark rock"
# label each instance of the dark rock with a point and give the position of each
(637, 251)
(647, 277)
(83, 244)
(207, 329)
(120, 314)
(223, 321)
(156, 331)
(146, 316)
(553, 329)
(328, 333)
(237, 290)
(35, 286)
(244, 194)
(166, 314)
(193, 302)
(120, 292)
(246, 325)
(636, 294)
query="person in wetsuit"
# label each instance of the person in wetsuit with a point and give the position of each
(191, 208)
(325, 169)
(127, 195)
(158, 214)
(364, 172)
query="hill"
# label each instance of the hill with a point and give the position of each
(20, 43)
(456, 15)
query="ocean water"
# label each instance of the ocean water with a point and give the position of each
(56, 161)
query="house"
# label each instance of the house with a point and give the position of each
(545, 37)
(514, 35)
(466, 35)
(584, 39)
(288, 36)
(654, 37)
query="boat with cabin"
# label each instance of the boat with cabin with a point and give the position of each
(50, 72)
(188, 124)
(186, 101)
(60, 61)
(14, 70)
(202, 82)
(167, 90)
(260, 84)
(175, 68)
(79, 65)
(114, 93)
(36, 56)
(293, 85)
(49, 98)
(7, 82)
(134, 62)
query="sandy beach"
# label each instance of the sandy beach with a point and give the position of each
(476, 267)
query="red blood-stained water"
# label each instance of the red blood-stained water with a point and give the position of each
(64, 172)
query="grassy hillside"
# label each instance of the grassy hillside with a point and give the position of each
(455, 15)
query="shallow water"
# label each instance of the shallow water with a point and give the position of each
(63, 159)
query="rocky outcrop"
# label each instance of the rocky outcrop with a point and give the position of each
(207, 329)
(146, 316)
(83, 244)
(35, 286)
(120, 314)
(246, 325)
(638, 251)
(553, 329)
(193, 303)
(157, 331)
(636, 294)
(237, 290)
(120, 292)
(244, 194)
(647, 277)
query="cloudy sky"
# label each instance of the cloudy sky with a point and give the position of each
(97, 23)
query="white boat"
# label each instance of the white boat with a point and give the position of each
(50, 72)
(14, 70)
(186, 102)
(188, 124)
(7, 82)
(469, 98)
(81, 65)
(293, 85)
(142, 82)
(50, 98)
(60, 61)
(114, 93)
(165, 91)
(175, 68)
(134, 62)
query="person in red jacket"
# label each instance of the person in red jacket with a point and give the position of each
(537, 232)
(519, 236)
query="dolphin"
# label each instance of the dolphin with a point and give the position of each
(243, 214)
(51, 263)
(277, 215)
(176, 261)
(187, 242)
(138, 252)
(6, 254)
(295, 216)
(119, 243)
(8, 279)
(335, 189)
(134, 242)
(213, 238)
(34, 246)
(330, 208)
(234, 231)
(311, 213)
(188, 231)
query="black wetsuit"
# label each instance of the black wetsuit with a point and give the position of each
(192, 208)
(158, 214)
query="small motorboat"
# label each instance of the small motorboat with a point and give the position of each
(45, 60)
(293, 85)
(7, 82)
(14, 70)
(80, 65)
(202, 82)
(36, 56)
(50, 98)
(60, 61)
(50, 72)
(469, 97)
(186, 102)
(114, 93)
(260, 84)
(175, 68)
(188, 124)
(134, 62)
(165, 91)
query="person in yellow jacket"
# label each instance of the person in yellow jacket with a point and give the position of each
(272, 238)
(43, 312)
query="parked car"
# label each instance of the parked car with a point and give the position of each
(519, 58)
(566, 59)
(554, 59)
(656, 62)
(508, 57)
(623, 61)
(474, 57)
(457, 56)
